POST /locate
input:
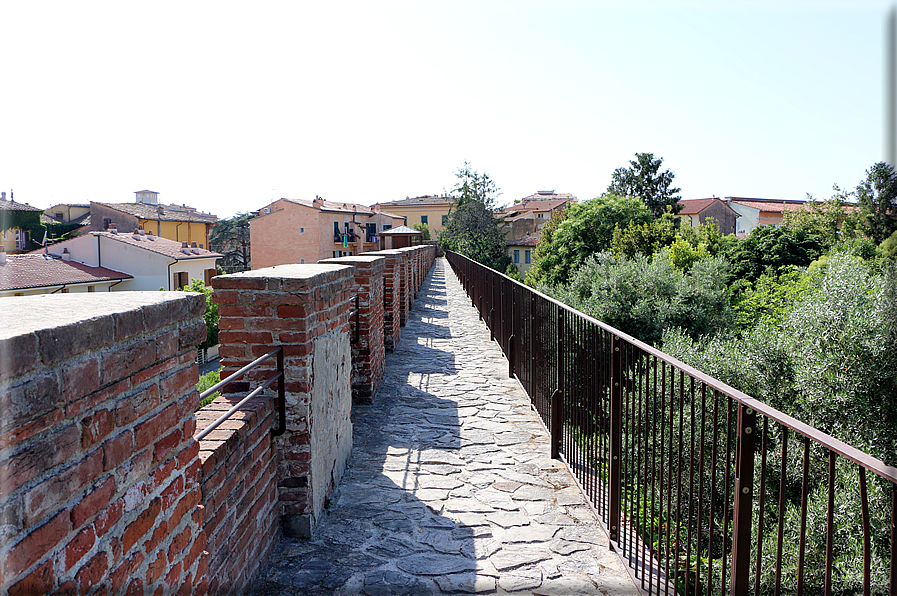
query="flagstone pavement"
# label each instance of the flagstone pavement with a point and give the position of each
(450, 488)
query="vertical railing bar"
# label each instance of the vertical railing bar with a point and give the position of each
(781, 535)
(713, 458)
(727, 487)
(804, 491)
(654, 499)
(664, 454)
(867, 541)
(644, 379)
(669, 533)
(679, 476)
(893, 539)
(701, 491)
(616, 421)
(830, 525)
(691, 478)
(761, 506)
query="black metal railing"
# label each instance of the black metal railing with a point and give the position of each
(278, 376)
(700, 485)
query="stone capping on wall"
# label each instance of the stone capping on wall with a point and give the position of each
(98, 468)
(304, 308)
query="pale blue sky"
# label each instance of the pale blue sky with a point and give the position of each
(223, 105)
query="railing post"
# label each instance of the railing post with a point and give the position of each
(557, 398)
(616, 437)
(744, 496)
(281, 398)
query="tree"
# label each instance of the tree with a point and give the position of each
(582, 229)
(643, 179)
(772, 248)
(230, 237)
(877, 201)
(471, 227)
(647, 238)
(423, 229)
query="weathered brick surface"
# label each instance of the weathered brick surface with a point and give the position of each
(305, 309)
(93, 414)
(366, 328)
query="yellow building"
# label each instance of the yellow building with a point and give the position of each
(175, 222)
(430, 210)
(18, 223)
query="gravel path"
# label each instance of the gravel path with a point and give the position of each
(450, 488)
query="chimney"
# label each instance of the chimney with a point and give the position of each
(183, 245)
(194, 245)
(112, 228)
(66, 255)
(2, 253)
(318, 202)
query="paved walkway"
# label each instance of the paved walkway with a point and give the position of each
(450, 488)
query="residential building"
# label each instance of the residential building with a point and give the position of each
(761, 212)
(174, 222)
(528, 215)
(33, 274)
(70, 213)
(696, 212)
(151, 261)
(19, 225)
(302, 231)
(432, 210)
(400, 237)
(521, 251)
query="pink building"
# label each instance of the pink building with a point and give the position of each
(300, 231)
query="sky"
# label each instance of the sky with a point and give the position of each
(225, 106)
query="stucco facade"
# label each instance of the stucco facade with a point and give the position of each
(430, 210)
(295, 231)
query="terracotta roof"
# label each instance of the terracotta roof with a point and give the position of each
(528, 240)
(400, 230)
(424, 200)
(16, 206)
(545, 194)
(38, 271)
(770, 205)
(342, 207)
(695, 206)
(168, 213)
(162, 246)
(546, 205)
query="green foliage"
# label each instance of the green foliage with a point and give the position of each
(683, 255)
(643, 179)
(877, 202)
(423, 229)
(230, 237)
(888, 248)
(827, 220)
(512, 271)
(28, 221)
(769, 299)
(581, 230)
(471, 228)
(646, 239)
(771, 248)
(707, 234)
(210, 316)
(205, 382)
(644, 296)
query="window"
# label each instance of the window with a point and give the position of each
(527, 256)
(90, 288)
(423, 219)
(444, 219)
(516, 256)
(106, 222)
(301, 230)
(337, 236)
(387, 227)
(181, 280)
(65, 290)
(59, 215)
(209, 274)
(371, 231)
(302, 261)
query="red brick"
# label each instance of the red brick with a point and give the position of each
(173, 387)
(231, 323)
(31, 428)
(80, 546)
(245, 310)
(94, 399)
(221, 297)
(163, 472)
(188, 454)
(293, 311)
(93, 502)
(166, 445)
(173, 577)
(155, 370)
(108, 518)
(187, 502)
(39, 581)
(140, 526)
(155, 569)
(117, 450)
(135, 588)
(95, 427)
(131, 408)
(80, 379)
(246, 337)
(60, 487)
(124, 362)
(93, 572)
(172, 492)
(120, 576)
(159, 534)
(146, 432)
(36, 544)
(178, 544)
(166, 345)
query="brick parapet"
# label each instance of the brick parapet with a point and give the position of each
(98, 466)
(392, 319)
(305, 309)
(367, 333)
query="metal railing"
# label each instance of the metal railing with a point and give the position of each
(278, 376)
(700, 485)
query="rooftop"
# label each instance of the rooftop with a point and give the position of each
(163, 212)
(528, 240)
(424, 200)
(695, 206)
(16, 206)
(162, 246)
(340, 207)
(39, 271)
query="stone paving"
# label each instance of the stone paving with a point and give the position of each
(450, 488)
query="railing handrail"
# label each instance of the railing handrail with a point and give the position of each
(855, 455)
(278, 376)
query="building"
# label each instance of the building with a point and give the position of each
(528, 215)
(33, 274)
(522, 250)
(400, 237)
(151, 262)
(429, 209)
(20, 225)
(301, 231)
(696, 212)
(179, 223)
(70, 213)
(761, 212)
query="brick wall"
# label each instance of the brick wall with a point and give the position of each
(392, 319)
(305, 308)
(239, 492)
(368, 349)
(98, 468)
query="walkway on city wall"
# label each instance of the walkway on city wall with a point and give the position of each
(450, 487)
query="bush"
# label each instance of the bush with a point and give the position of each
(208, 380)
